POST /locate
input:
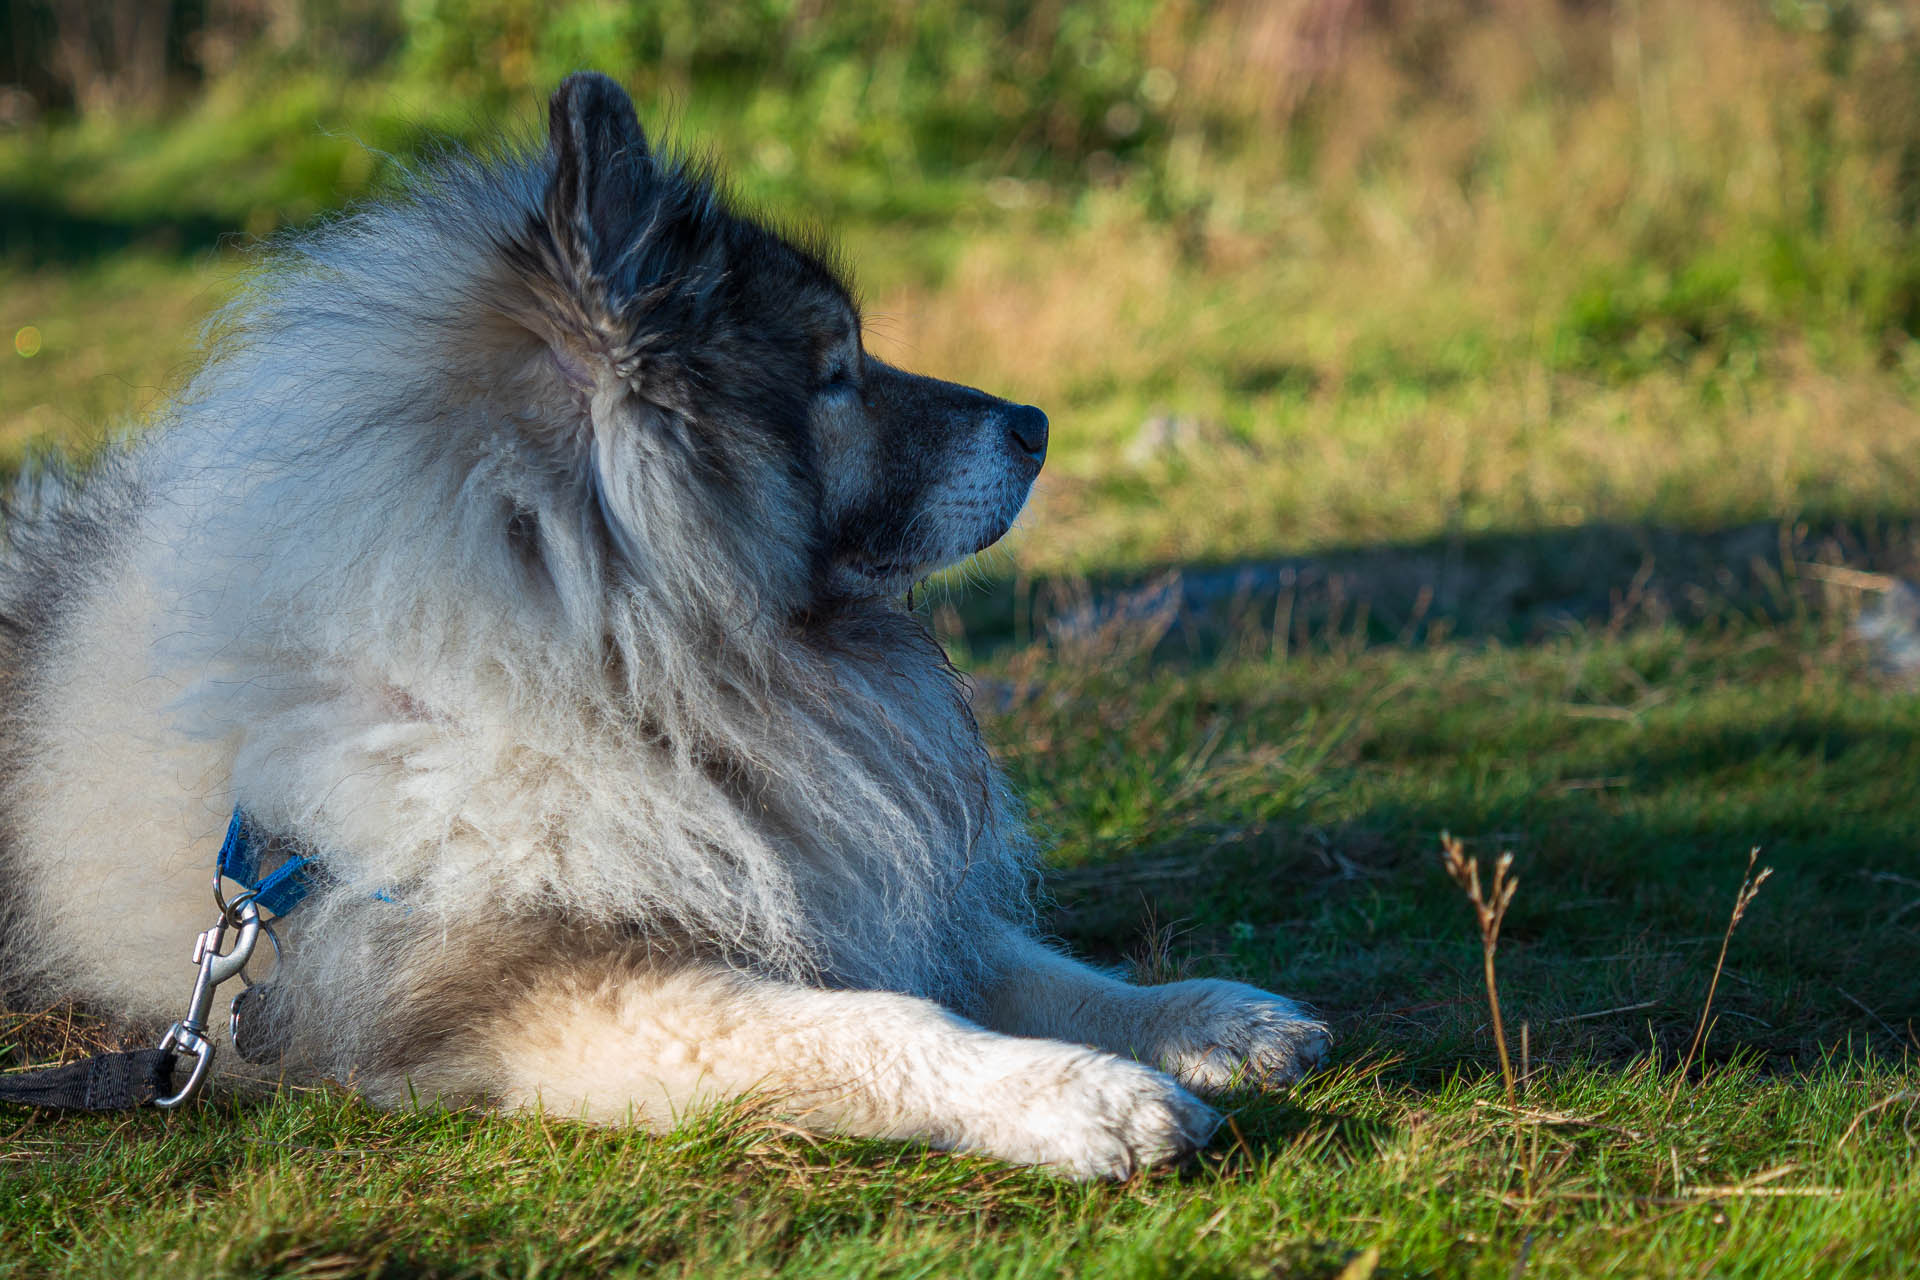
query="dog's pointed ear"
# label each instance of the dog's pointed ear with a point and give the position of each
(601, 167)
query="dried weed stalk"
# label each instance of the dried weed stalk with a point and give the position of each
(1156, 960)
(1749, 889)
(1489, 909)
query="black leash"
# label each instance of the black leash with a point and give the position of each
(104, 1082)
(144, 1077)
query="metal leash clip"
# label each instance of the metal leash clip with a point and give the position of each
(189, 1035)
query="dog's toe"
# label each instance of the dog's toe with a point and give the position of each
(1135, 1123)
(1215, 1036)
(1093, 1115)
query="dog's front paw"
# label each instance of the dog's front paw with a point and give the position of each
(1213, 1036)
(1092, 1115)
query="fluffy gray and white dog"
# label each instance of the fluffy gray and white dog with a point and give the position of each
(531, 548)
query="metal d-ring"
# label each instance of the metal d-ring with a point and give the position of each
(227, 909)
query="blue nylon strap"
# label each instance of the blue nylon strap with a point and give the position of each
(279, 892)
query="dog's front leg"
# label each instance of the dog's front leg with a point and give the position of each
(1211, 1035)
(653, 1048)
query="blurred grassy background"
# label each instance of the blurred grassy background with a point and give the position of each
(1289, 276)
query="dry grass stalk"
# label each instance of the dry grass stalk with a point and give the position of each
(1155, 960)
(1749, 889)
(1489, 909)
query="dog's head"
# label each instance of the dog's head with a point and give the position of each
(707, 378)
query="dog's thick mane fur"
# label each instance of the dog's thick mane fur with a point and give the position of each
(487, 669)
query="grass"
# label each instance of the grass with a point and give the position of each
(1427, 1177)
(1535, 416)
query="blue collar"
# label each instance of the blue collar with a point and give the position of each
(288, 884)
(281, 890)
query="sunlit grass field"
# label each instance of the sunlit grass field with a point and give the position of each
(1499, 442)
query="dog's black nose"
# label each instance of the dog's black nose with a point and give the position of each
(1028, 427)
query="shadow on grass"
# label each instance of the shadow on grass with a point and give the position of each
(38, 233)
(1508, 587)
(1630, 823)
(1622, 905)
